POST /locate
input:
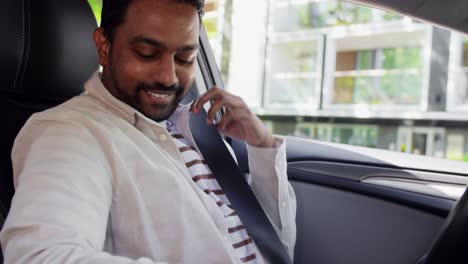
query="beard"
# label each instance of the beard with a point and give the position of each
(132, 96)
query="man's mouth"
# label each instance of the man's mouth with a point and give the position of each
(158, 95)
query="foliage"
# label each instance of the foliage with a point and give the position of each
(402, 58)
(365, 60)
(465, 52)
(211, 26)
(96, 5)
(344, 90)
(389, 16)
(402, 88)
(324, 14)
(347, 13)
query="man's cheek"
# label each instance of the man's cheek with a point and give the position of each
(129, 73)
(186, 79)
(138, 73)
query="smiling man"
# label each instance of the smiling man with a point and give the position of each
(149, 55)
(114, 175)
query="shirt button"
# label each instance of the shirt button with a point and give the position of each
(162, 137)
(226, 237)
(283, 204)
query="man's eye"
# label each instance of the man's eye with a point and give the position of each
(185, 62)
(146, 56)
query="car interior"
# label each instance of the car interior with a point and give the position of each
(355, 204)
(46, 59)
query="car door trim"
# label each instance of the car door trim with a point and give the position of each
(438, 189)
(430, 204)
(431, 183)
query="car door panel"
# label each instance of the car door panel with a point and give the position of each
(360, 205)
(356, 172)
(337, 226)
(430, 204)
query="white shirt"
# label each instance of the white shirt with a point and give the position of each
(98, 182)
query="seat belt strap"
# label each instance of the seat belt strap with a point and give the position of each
(238, 191)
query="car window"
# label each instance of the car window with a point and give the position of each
(340, 72)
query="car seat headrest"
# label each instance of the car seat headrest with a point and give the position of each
(47, 52)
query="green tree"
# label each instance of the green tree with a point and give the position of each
(402, 58)
(465, 53)
(96, 5)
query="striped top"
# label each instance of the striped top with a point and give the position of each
(243, 245)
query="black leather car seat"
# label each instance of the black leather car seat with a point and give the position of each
(46, 56)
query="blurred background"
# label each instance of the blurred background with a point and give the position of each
(340, 72)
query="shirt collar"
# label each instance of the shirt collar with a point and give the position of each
(95, 88)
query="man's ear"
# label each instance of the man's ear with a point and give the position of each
(102, 46)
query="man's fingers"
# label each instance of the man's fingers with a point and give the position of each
(224, 122)
(214, 109)
(209, 95)
(192, 106)
(241, 114)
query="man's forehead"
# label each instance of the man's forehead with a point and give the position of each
(163, 7)
(164, 14)
(165, 22)
(141, 39)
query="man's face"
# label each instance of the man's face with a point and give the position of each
(150, 63)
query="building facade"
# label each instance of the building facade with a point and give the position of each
(340, 72)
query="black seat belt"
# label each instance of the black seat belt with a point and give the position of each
(238, 191)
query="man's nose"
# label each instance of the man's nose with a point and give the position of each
(166, 72)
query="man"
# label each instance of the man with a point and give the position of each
(114, 176)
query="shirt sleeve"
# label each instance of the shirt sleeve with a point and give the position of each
(63, 195)
(269, 181)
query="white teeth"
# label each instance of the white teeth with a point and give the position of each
(158, 95)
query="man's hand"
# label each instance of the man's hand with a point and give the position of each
(238, 121)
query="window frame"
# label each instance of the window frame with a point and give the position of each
(357, 31)
(456, 68)
(278, 108)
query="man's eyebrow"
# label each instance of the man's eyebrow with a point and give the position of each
(146, 40)
(159, 44)
(188, 48)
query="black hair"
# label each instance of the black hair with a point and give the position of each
(114, 11)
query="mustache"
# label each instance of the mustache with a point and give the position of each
(176, 87)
